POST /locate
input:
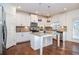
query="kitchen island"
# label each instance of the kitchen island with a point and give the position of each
(40, 40)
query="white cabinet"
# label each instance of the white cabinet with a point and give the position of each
(36, 41)
(18, 37)
(26, 36)
(9, 9)
(48, 22)
(42, 22)
(11, 30)
(23, 19)
(22, 37)
(18, 19)
(34, 18)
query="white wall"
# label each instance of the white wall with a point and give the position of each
(66, 19)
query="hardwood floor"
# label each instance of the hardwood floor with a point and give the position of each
(25, 49)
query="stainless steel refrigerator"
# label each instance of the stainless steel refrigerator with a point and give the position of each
(3, 36)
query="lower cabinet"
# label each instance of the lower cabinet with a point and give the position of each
(36, 42)
(22, 37)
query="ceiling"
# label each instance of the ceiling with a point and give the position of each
(46, 9)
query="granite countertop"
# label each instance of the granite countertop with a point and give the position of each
(41, 34)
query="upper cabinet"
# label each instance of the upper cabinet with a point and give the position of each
(48, 22)
(42, 21)
(25, 19)
(9, 9)
(22, 19)
(34, 18)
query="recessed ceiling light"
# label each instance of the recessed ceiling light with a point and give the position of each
(65, 9)
(19, 7)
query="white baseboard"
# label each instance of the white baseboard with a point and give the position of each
(74, 40)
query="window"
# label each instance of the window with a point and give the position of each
(56, 25)
(76, 29)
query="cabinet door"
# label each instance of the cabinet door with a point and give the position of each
(42, 22)
(18, 37)
(47, 41)
(26, 36)
(23, 19)
(23, 36)
(11, 30)
(26, 20)
(19, 19)
(34, 18)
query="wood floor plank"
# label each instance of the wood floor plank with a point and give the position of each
(25, 49)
